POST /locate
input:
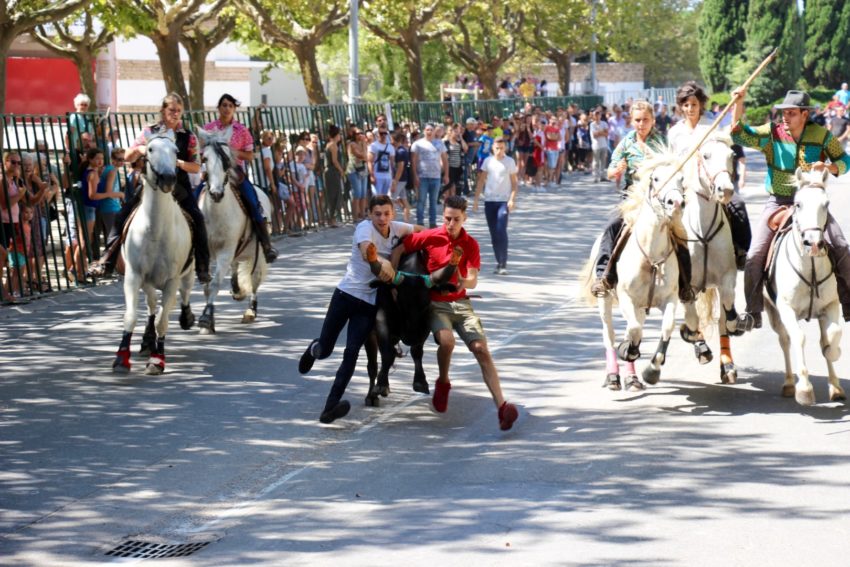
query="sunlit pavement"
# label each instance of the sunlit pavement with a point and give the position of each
(226, 446)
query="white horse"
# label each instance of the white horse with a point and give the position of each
(709, 187)
(803, 282)
(157, 256)
(232, 242)
(647, 270)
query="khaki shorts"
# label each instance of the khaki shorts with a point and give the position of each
(457, 315)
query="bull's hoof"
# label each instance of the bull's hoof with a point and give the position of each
(373, 400)
(703, 352)
(628, 352)
(788, 390)
(612, 382)
(651, 375)
(187, 318)
(728, 373)
(633, 384)
(421, 386)
(805, 397)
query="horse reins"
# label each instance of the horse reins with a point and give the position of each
(815, 283)
(712, 229)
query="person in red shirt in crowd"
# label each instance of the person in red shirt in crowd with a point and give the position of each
(451, 310)
(552, 134)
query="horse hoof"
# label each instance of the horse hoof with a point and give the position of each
(207, 325)
(421, 386)
(187, 319)
(249, 317)
(633, 384)
(788, 391)
(121, 364)
(836, 395)
(628, 352)
(651, 375)
(805, 397)
(154, 369)
(703, 352)
(612, 382)
(728, 373)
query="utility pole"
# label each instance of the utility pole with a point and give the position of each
(593, 42)
(353, 59)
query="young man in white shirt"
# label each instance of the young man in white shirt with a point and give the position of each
(354, 300)
(498, 180)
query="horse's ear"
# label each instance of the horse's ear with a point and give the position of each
(228, 133)
(203, 135)
(825, 173)
(799, 174)
(170, 135)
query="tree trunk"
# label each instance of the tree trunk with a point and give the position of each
(305, 51)
(197, 71)
(413, 58)
(563, 64)
(168, 50)
(5, 44)
(83, 60)
(489, 81)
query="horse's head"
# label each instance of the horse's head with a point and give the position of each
(217, 159)
(665, 190)
(715, 158)
(161, 156)
(811, 208)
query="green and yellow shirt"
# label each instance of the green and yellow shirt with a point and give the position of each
(634, 152)
(784, 154)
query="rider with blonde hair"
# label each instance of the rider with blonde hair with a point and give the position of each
(187, 148)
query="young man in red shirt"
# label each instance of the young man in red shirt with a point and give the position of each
(452, 311)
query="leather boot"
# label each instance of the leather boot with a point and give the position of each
(686, 292)
(262, 228)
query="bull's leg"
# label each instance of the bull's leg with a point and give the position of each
(420, 382)
(372, 368)
(445, 273)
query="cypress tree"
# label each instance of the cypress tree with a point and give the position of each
(827, 59)
(721, 38)
(774, 23)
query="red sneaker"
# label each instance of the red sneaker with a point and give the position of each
(507, 416)
(441, 396)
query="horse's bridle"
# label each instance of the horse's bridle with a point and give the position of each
(712, 179)
(814, 283)
(157, 175)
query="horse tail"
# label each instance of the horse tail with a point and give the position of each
(705, 309)
(586, 276)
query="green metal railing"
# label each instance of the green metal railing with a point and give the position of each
(52, 253)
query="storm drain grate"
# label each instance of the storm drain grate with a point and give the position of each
(151, 550)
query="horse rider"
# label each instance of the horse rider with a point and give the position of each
(795, 142)
(691, 100)
(629, 154)
(242, 145)
(171, 114)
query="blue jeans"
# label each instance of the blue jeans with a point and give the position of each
(497, 220)
(360, 316)
(428, 188)
(249, 196)
(358, 185)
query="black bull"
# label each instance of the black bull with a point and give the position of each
(403, 315)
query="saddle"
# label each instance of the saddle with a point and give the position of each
(780, 223)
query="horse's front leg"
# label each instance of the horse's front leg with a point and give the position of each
(187, 318)
(830, 341)
(149, 336)
(785, 345)
(803, 392)
(629, 349)
(156, 362)
(612, 366)
(206, 323)
(132, 282)
(691, 333)
(652, 373)
(727, 325)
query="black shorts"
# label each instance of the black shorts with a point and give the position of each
(455, 176)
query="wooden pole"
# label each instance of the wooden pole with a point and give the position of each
(722, 115)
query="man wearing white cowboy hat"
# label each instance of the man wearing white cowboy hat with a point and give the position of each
(792, 143)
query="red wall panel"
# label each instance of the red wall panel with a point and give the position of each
(40, 85)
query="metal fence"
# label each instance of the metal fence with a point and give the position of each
(47, 239)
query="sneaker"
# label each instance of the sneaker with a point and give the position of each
(502, 271)
(600, 287)
(507, 416)
(341, 409)
(441, 396)
(307, 359)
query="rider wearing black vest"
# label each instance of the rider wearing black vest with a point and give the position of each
(187, 144)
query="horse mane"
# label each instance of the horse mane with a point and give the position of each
(636, 196)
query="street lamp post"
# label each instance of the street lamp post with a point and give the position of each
(593, 42)
(353, 62)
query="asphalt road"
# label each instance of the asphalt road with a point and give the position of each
(226, 447)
